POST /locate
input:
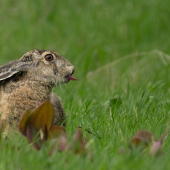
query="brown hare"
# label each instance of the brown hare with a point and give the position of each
(29, 80)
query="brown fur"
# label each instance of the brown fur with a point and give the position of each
(29, 80)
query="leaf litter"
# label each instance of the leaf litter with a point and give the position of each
(38, 128)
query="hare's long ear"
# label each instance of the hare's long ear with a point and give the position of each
(13, 67)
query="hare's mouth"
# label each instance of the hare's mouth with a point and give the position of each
(70, 77)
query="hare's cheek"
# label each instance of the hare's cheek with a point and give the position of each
(55, 69)
(47, 72)
(60, 70)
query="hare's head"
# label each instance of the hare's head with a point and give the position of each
(40, 65)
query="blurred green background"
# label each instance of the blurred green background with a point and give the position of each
(120, 50)
(89, 33)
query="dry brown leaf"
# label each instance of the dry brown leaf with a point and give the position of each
(37, 127)
(42, 116)
(58, 134)
(142, 136)
(157, 144)
(77, 144)
(56, 131)
(23, 122)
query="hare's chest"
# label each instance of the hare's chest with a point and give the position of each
(16, 101)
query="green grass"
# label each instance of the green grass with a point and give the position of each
(115, 47)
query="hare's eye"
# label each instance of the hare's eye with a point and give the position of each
(49, 57)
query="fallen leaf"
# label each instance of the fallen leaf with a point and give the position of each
(31, 133)
(142, 136)
(56, 131)
(42, 116)
(60, 143)
(23, 122)
(77, 145)
(157, 144)
(37, 127)
(59, 136)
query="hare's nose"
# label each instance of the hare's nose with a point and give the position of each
(71, 68)
(72, 72)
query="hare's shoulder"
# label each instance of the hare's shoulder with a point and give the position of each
(11, 84)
